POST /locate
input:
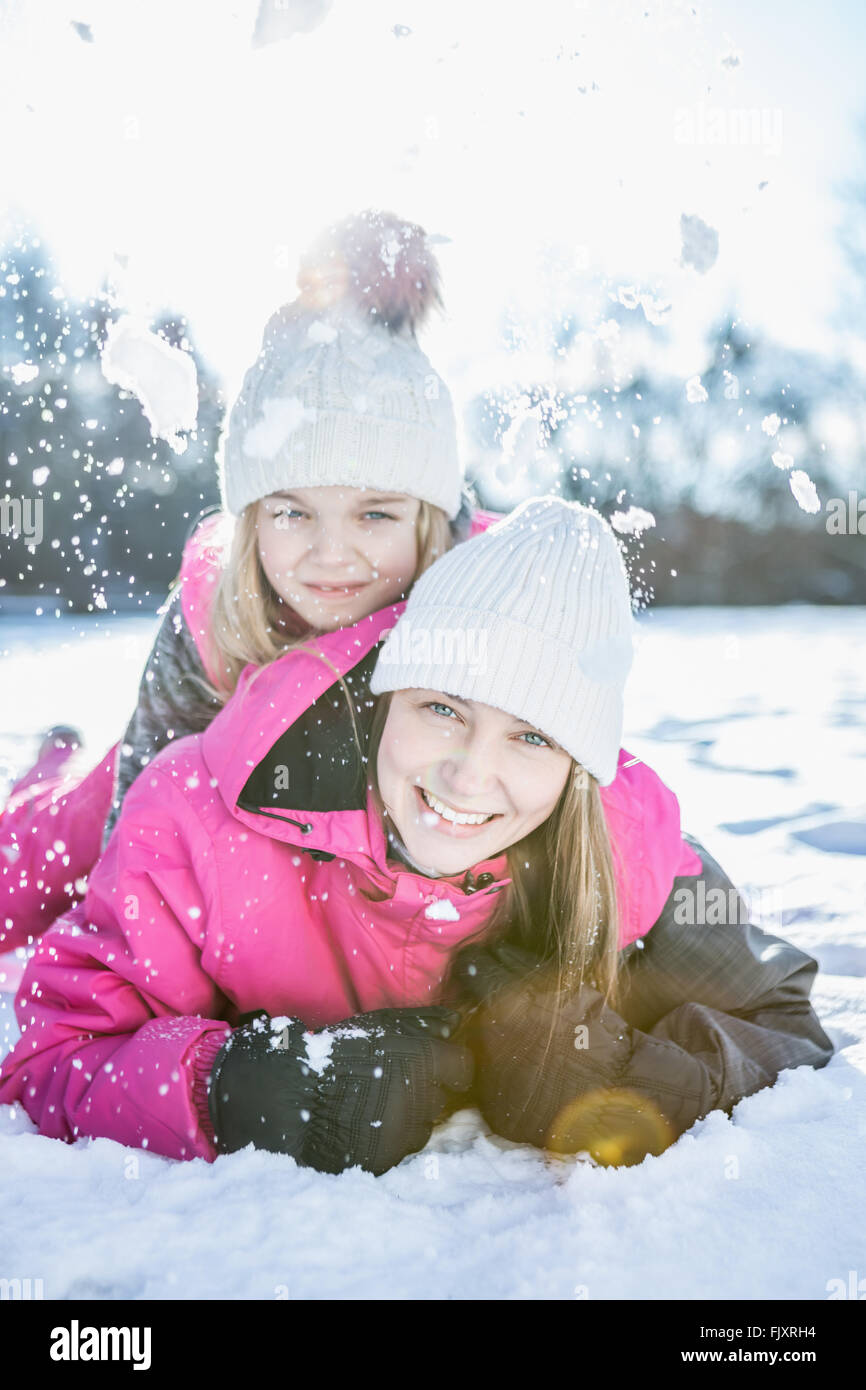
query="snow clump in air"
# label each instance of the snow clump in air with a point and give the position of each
(696, 392)
(22, 372)
(632, 522)
(700, 243)
(804, 491)
(161, 377)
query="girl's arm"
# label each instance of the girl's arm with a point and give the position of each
(120, 1020)
(171, 704)
(708, 1014)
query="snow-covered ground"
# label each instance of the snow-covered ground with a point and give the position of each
(757, 719)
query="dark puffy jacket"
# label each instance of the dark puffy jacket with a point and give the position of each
(708, 1014)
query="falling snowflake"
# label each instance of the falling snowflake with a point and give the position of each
(632, 522)
(804, 491)
(700, 247)
(22, 372)
(695, 391)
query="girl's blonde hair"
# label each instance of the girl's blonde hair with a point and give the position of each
(249, 620)
(561, 904)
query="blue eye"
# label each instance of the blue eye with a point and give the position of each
(542, 742)
(436, 707)
(379, 516)
(288, 512)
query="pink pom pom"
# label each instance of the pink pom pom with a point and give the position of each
(385, 266)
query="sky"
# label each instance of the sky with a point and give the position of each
(542, 144)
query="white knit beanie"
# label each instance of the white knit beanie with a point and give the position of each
(341, 393)
(534, 617)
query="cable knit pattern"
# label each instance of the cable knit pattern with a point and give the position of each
(337, 400)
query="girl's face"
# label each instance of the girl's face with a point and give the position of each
(462, 781)
(336, 554)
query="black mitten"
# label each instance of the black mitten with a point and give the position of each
(383, 1084)
(262, 1088)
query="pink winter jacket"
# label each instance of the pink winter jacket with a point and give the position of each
(201, 911)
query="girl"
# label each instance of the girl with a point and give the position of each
(343, 408)
(282, 960)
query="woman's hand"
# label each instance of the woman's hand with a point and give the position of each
(365, 1092)
(551, 1067)
(385, 1081)
(262, 1088)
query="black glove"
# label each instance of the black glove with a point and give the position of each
(367, 1093)
(567, 1096)
(262, 1088)
(384, 1088)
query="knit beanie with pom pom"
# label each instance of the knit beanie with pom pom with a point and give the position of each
(533, 617)
(341, 393)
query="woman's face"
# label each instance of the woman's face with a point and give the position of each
(462, 781)
(335, 554)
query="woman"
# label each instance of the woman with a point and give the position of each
(266, 950)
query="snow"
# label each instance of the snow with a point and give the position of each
(521, 441)
(766, 753)
(696, 392)
(318, 1050)
(632, 522)
(700, 243)
(278, 20)
(162, 377)
(22, 372)
(804, 490)
(656, 310)
(321, 332)
(319, 1046)
(280, 417)
(441, 911)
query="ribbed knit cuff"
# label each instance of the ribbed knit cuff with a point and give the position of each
(496, 660)
(202, 1066)
(344, 448)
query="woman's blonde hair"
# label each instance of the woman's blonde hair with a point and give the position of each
(561, 904)
(249, 620)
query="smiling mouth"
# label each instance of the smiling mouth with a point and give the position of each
(448, 813)
(336, 590)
